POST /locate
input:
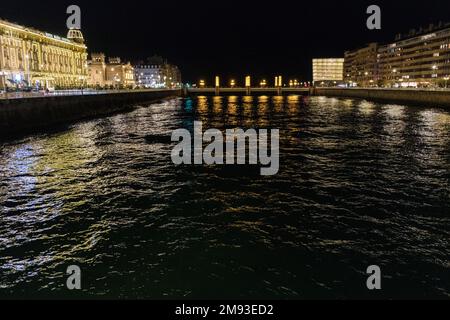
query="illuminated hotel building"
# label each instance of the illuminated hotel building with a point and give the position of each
(422, 59)
(33, 58)
(328, 71)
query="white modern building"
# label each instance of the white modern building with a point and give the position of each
(328, 71)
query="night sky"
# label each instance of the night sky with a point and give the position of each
(229, 38)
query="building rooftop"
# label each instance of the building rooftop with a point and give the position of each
(422, 31)
(39, 33)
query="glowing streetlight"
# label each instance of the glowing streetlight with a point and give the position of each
(202, 83)
(232, 83)
(446, 80)
(27, 67)
(248, 82)
(278, 81)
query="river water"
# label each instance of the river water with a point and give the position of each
(360, 184)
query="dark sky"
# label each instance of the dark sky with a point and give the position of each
(230, 38)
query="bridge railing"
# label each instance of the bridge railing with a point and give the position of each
(40, 94)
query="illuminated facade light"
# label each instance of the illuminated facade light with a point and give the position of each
(248, 82)
(48, 60)
(155, 75)
(419, 60)
(326, 70)
(278, 81)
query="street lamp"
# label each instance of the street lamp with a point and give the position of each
(446, 80)
(395, 77)
(27, 68)
(434, 75)
(263, 83)
(82, 83)
(232, 83)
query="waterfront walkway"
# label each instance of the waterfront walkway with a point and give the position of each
(85, 92)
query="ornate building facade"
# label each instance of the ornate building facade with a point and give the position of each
(113, 74)
(119, 75)
(97, 70)
(31, 58)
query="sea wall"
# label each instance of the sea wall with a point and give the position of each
(23, 115)
(438, 98)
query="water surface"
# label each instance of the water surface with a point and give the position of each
(360, 183)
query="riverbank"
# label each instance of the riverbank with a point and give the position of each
(438, 98)
(27, 114)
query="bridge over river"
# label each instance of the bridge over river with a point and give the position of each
(247, 91)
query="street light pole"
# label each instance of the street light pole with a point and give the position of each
(434, 68)
(27, 68)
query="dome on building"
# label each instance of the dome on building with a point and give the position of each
(75, 35)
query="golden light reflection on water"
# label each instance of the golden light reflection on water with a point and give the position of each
(84, 195)
(394, 124)
(278, 103)
(394, 112)
(293, 104)
(244, 111)
(247, 100)
(366, 108)
(64, 156)
(435, 119)
(248, 108)
(433, 124)
(217, 105)
(233, 105)
(263, 99)
(60, 185)
(348, 102)
(202, 108)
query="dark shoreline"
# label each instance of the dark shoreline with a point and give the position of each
(29, 115)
